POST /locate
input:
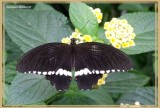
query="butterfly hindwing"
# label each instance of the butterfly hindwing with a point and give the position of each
(94, 59)
(86, 82)
(52, 60)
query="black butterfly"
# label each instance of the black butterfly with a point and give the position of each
(89, 60)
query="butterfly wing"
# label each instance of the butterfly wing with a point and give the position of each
(93, 59)
(52, 60)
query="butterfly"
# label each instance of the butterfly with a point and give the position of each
(89, 60)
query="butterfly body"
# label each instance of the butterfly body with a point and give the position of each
(89, 60)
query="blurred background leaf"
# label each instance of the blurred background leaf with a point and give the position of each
(12, 49)
(133, 7)
(144, 95)
(10, 72)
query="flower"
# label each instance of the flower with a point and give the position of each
(97, 12)
(131, 43)
(87, 38)
(125, 44)
(78, 36)
(100, 82)
(117, 45)
(66, 40)
(112, 40)
(75, 35)
(137, 103)
(120, 33)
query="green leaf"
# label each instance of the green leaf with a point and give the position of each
(5, 94)
(73, 98)
(29, 89)
(13, 51)
(145, 95)
(42, 6)
(133, 7)
(100, 96)
(10, 72)
(144, 27)
(121, 82)
(39, 103)
(83, 19)
(31, 28)
(101, 35)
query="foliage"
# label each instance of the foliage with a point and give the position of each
(144, 27)
(145, 95)
(28, 28)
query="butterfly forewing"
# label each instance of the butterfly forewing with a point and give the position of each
(89, 60)
(52, 60)
(94, 59)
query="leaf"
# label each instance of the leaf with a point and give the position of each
(10, 72)
(145, 95)
(73, 98)
(121, 82)
(29, 89)
(83, 19)
(101, 35)
(42, 6)
(133, 7)
(5, 95)
(13, 51)
(144, 27)
(100, 96)
(31, 28)
(38, 103)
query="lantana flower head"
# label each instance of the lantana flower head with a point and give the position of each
(120, 33)
(97, 12)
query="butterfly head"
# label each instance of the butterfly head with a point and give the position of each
(73, 41)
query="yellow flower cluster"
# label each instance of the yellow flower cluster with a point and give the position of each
(120, 33)
(98, 14)
(101, 81)
(77, 35)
